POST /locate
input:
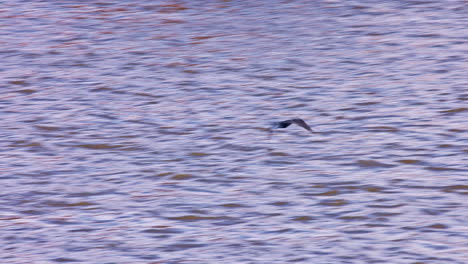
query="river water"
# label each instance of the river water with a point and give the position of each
(137, 132)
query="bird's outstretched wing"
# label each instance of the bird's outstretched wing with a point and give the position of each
(302, 124)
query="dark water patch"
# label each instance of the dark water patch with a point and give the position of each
(182, 176)
(337, 157)
(182, 246)
(278, 184)
(99, 146)
(173, 160)
(91, 194)
(374, 189)
(221, 138)
(26, 91)
(56, 203)
(20, 82)
(281, 203)
(101, 89)
(379, 225)
(33, 212)
(353, 218)
(108, 146)
(357, 231)
(367, 103)
(302, 218)
(24, 143)
(164, 174)
(9, 217)
(373, 164)
(194, 218)
(216, 180)
(433, 211)
(300, 105)
(447, 146)
(60, 221)
(149, 95)
(437, 226)
(381, 205)
(338, 184)
(199, 154)
(278, 162)
(346, 109)
(104, 116)
(331, 190)
(173, 131)
(455, 111)
(459, 189)
(277, 153)
(75, 248)
(366, 117)
(324, 193)
(84, 230)
(410, 161)
(334, 202)
(382, 129)
(439, 168)
(65, 260)
(47, 128)
(162, 230)
(214, 220)
(233, 205)
(281, 231)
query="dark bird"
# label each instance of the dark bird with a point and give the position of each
(297, 121)
(286, 123)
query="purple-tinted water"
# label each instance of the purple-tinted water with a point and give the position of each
(136, 132)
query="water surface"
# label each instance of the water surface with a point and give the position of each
(136, 132)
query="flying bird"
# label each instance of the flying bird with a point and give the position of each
(297, 121)
(286, 123)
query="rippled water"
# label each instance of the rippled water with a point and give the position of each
(136, 132)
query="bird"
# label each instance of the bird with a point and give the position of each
(286, 123)
(297, 121)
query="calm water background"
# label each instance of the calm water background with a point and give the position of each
(135, 132)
